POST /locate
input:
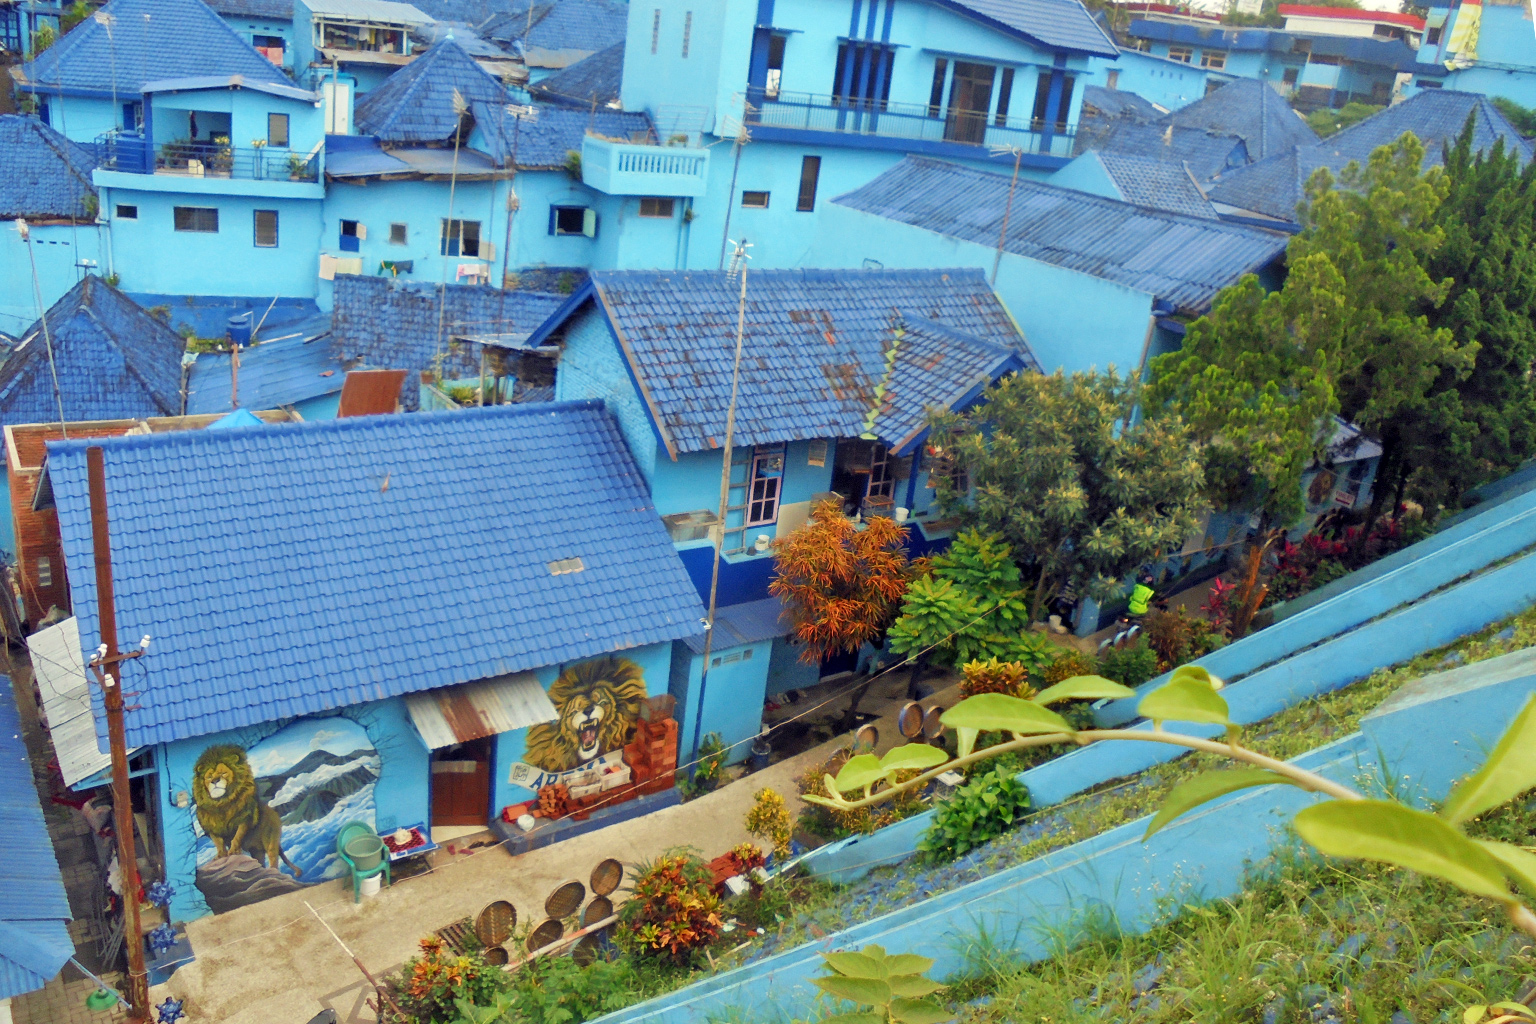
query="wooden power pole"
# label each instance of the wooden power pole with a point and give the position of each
(107, 666)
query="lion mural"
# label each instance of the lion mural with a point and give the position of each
(231, 812)
(598, 703)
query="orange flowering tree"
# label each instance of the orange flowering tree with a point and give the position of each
(842, 585)
(673, 910)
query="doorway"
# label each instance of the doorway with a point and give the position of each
(970, 98)
(461, 784)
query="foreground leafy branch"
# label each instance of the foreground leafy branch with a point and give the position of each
(1348, 825)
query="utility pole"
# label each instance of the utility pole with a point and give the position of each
(106, 665)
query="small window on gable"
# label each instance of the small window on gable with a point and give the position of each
(755, 200)
(651, 206)
(44, 572)
(277, 131)
(127, 212)
(573, 220)
(397, 233)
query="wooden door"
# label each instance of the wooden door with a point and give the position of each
(461, 784)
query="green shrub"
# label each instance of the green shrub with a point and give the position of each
(1129, 666)
(982, 809)
(673, 911)
(429, 986)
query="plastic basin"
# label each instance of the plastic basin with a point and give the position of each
(366, 852)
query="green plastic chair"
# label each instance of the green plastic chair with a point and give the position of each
(356, 830)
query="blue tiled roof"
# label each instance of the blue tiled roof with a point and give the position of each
(748, 623)
(1207, 153)
(597, 77)
(42, 174)
(274, 373)
(369, 560)
(34, 910)
(1183, 260)
(273, 10)
(814, 352)
(149, 40)
(1119, 103)
(564, 25)
(415, 104)
(1157, 184)
(1251, 110)
(1056, 24)
(1275, 186)
(390, 324)
(114, 361)
(542, 142)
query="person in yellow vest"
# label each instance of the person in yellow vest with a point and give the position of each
(1141, 597)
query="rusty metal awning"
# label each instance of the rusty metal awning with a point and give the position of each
(456, 714)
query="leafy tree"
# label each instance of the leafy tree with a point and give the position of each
(1523, 118)
(1077, 486)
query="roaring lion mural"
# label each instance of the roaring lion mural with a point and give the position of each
(598, 703)
(230, 810)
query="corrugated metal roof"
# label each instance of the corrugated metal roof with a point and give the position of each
(1183, 260)
(1207, 153)
(416, 103)
(58, 667)
(1156, 184)
(371, 392)
(42, 174)
(1251, 110)
(291, 569)
(359, 156)
(295, 366)
(386, 11)
(34, 910)
(1275, 186)
(196, 83)
(458, 714)
(114, 361)
(1057, 24)
(130, 42)
(275, 10)
(814, 351)
(748, 623)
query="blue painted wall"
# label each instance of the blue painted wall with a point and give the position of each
(592, 367)
(81, 118)
(1169, 84)
(1506, 55)
(732, 696)
(251, 28)
(58, 248)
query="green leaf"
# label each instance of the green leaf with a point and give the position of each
(1184, 699)
(1197, 673)
(1188, 795)
(1519, 864)
(860, 771)
(859, 1017)
(966, 741)
(1509, 771)
(874, 952)
(912, 755)
(999, 712)
(912, 986)
(865, 991)
(919, 1011)
(1082, 688)
(1474, 1014)
(855, 965)
(1394, 834)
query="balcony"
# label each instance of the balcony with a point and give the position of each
(136, 155)
(905, 121)
(630, 169)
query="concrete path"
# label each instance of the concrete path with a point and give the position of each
(276, 962)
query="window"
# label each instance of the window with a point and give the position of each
(1213, 59)
(1112, 79)
(763, 495)
(460, 238)
(882, 482)
(656, 207)
(43, 112)
(1181, 54)
(655, 29)
(1043, 98)
(687, 31)
(1005, 91)
(126, 212)
(936, 94)
(277, 130)
(1426, 83)
(1301, 46)
(133, 117)
(196, 218)
(755, 200)
(1290, 76)
(810, 170)
(775, 65)
(728, 659)
(352, 235)
(970, 98)
(1212, 84)
(266, 229)
(397, 234)
(572, 220)
(1432, 37)
(862, 76)
(44, 572)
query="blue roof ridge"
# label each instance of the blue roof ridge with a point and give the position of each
(962, 336)
(45, 133)
(341, 425)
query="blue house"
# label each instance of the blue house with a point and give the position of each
(1092, 280)
(1164, 81)
(1483, 47)
(1273, 188)
(91, 82)
(524, 615)
(346, 47)
(34, 909)
(550, 36)
(45, 179)
(839, 370)
(266, 24)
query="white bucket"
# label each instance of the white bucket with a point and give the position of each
(370, 886)
(901, 514)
